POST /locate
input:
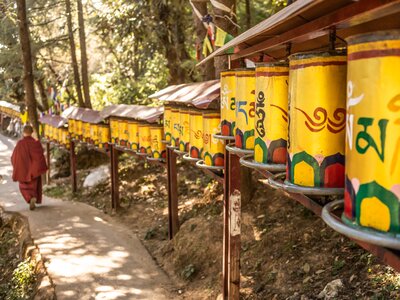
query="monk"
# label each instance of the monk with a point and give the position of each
(29, 164)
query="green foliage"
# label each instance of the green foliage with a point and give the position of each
(22, 282)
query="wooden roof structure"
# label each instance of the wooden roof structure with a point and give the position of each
(137, 112)
(306, 25)
(82, 114)
(198, 94)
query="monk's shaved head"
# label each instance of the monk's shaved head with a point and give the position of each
(28, 130)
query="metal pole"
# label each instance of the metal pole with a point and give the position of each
(225, 245)
(173, 218)
(48, 162)
(72, 159)
(114, 155)
(234, 227)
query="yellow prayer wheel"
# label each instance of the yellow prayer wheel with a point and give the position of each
(317, 113)
(104, 135)
(59, 135)
(94, 135)
(228, 103)
(167, 123)
(46, 131)
(213, 148)
(123, 133)
(271, 117)
(79, 129)
(50, 132)
(114, 128)
(144, 138)
(372, 191)
(184, 130)
(158, 148)
(196, 133)
(86, 136)
(175, 119)
(245, 108)
(71, 128)
(133, 135)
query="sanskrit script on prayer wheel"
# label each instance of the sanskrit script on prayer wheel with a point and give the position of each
(372, 191)
(175, 119)
(213, 148)
(228, 104)
(184, 130)
(133, 135)
(158, 149)
(245, 109)
(167, 123)
(144, 138)
(271, 116)
(317, 116)
(196, 133)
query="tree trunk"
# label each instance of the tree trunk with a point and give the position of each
(43, 96)
(207, 69)
(84, 64)
(28, 67)
(248, 14)
(221, 62)
(73, 54)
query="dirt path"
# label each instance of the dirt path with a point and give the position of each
(87, 255)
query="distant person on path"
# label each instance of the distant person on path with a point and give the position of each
(29, 164)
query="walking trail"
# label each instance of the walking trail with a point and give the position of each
(87, 254)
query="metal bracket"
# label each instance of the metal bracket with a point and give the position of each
(238, 151)
(180, 153)
(259, 166)
(141, 154)
(172, 147)
(189, 158)
(355, 232)
(223, 137)
(149, 158)
(200, 164)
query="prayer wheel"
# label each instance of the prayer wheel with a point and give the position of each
(71, 128)
(59, 135)
(104, 135)
(196, 133)
(46, 131)
(245, 108)
(86, 136)
(271, 117)
(228, 103)
(317, 116)
(79, 129)
(144, 138)
(372, 191)
(175, 119)
(123, 133)
(158, 149)
(213, 148)
(133, 135)
(50, 132)
(184, 130)
(167, 123)
(94, 135)
(114, 128)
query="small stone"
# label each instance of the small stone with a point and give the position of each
(307, 279)
(331, 290)
(306, 268)
(260, 216)
(352, 277)
(319, 272)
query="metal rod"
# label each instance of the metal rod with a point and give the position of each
(225, 242)
(332, 38)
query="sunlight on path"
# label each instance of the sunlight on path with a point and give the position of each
(87, 255)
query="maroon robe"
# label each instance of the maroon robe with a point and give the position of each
(29, 164)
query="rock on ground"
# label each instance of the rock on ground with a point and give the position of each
(97, 176)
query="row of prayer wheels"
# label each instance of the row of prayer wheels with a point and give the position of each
(191, 131)
(9, 112)
(141, 137)
(57, 135)
(332, 118)
(95, 134)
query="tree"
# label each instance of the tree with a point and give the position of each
(84, 64)
(28, 67)
(73, 54)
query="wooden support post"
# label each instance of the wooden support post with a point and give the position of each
(1, 122)
(173, 218)
(225, 245)
(72, 161)
(234, 227)
(114, 156)
(48, 162)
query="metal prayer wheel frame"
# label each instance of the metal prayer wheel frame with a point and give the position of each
(179, 152)
(140, 153)
(201, 164)
(238, 151)
(244, 161)
(153, 159)
(224, 137)
(187, 157)
(357, 232)
(309, 191)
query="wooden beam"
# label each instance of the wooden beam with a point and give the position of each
(351, 15)
(72, 158)
(48, 162)
(114, 157)
(173, 217)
